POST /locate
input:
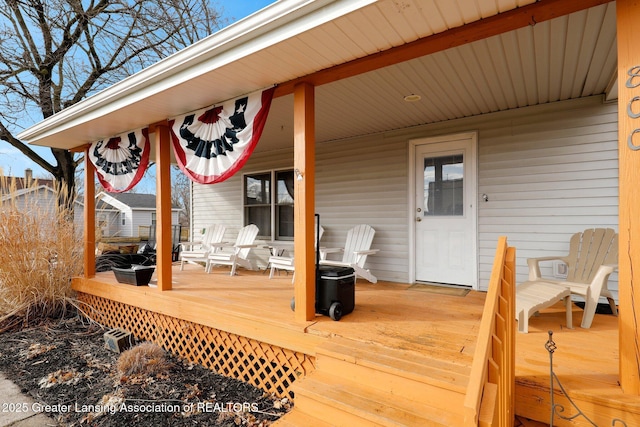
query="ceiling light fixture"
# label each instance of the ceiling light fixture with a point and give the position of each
(412, 98)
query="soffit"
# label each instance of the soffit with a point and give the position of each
(566, 57)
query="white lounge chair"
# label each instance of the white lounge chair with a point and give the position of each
(286, 262)
(593, 256)
(236, 254)
(356, 249)
(198, 251)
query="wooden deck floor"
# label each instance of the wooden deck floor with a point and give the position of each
(586, 362)
(390, 314)
(401, 317)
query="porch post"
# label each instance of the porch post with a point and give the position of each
(163, 207)
(628, 16)
(89, 216)
(304, 197)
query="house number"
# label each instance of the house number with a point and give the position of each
(633, 82)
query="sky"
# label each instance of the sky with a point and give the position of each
(14, 163)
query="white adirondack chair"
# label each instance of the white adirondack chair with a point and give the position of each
(356, 249)
(236, 254)
(286, 262)
(593, 256)
(198, 251)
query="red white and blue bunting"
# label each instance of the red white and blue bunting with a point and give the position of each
(212, 144)
(121, 160)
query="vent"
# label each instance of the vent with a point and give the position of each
(560, 269)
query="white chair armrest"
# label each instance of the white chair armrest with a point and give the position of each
(534, 265)
(367, 252)
(325, 251)
(361, 255)
(184, 245)
(602, 275)
(221, 245)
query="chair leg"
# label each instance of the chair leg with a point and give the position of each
(590, 304)
(612, 304)
(366, 274)
(568, 306)
(233, 269)
(523, 322)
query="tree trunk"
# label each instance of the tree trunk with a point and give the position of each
(65, 178)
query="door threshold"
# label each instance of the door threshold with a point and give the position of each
(448, 285)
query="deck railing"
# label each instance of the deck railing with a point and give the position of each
(490, 398)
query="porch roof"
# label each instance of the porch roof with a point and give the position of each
(541, 61)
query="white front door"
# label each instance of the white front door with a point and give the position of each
(445, 210)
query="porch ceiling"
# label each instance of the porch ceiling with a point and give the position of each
(567, 57)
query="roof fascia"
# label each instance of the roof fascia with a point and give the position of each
(110, 200)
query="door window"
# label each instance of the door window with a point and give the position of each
(444, 186)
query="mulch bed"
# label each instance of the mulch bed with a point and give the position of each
(65, 364)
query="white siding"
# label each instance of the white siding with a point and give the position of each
(110, 218)
(548, 174)
(548, 170)
(364, 181)
(222, 203)
(139, 218)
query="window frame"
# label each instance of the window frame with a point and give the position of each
(273, 202)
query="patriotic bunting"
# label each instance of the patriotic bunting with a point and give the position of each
(212, 144)
(122, 160)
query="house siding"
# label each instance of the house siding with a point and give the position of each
(221, 203)
(548, 171)
(139, 218)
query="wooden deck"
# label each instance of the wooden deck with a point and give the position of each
(586, 361)
(416, 334)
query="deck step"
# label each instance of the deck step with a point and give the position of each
(347, 403)
(363, 384)
(388, 363)
(297, 418)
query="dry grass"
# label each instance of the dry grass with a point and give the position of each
(146, 359)
(41, 251)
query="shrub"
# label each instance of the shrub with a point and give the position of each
(146, 359)
(41, 251)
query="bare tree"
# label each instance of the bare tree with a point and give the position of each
(54, 53)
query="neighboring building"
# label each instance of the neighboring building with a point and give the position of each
(8, 183)
(128, 214)
(28, 192)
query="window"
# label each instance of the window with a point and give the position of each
(443, 189)
(123, 216)
(284, 205)
(268, 203)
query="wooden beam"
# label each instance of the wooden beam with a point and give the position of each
(164, 241)
(80, 149)
(304, 207)
(628, 16)
(539, 11)
(89, 217)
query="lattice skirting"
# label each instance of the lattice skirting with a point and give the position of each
(270, 368)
